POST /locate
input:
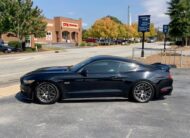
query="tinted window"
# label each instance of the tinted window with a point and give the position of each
(126, 67)
(103, 67)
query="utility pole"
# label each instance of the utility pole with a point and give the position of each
(129, 16)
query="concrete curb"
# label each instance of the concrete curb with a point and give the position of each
(8, 91)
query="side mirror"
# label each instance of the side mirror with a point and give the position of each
(84, 72)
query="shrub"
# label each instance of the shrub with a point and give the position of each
(83, 44)
(29, 49)
(39, 46)
(15, 44)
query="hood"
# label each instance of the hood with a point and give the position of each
(58, 69)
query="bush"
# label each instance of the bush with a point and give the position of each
(39, 46)
(15, 44)
(29, 49)
(88, 44)
(83, 44)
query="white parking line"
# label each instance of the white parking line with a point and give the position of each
(129, 134)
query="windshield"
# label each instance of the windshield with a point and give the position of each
(80, 65)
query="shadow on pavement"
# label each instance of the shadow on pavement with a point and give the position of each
(92, 100)
(19, 97)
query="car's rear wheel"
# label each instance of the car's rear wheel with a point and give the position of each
(143, 92)
(47, 93)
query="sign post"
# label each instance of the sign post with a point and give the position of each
(165, 31)
(143, 26)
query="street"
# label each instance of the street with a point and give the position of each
(14, 66)
(100, 118)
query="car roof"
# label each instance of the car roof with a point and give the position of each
(109, 57)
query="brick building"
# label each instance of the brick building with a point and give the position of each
(59, 30)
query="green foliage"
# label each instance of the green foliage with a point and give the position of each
(179, 12)
(115, 19)
(83, 44)
(88, 44)
(39, 46)
(29, 49)
(85, 34)
(15, 44)
(21, 18)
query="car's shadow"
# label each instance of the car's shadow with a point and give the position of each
(95, 100)
(19, 97)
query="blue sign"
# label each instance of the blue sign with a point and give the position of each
(144, 23)
(165, 28)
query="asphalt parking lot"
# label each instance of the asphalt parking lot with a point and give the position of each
(105, 118)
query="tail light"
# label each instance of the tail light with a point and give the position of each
(170, 76)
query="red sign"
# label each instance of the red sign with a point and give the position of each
(70, 25)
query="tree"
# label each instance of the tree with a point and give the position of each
(104, 28)
(179, 12)
(152, 32)
(115, 19)
(21, 18)
(4, 24)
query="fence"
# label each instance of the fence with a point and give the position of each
(178, 58)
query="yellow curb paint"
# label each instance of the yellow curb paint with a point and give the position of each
(8, 91)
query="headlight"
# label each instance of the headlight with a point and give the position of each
(28, 81)
(9, 49)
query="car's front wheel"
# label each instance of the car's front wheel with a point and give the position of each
(143, 92)
(47, 93)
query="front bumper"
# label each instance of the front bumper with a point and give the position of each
(26, 92)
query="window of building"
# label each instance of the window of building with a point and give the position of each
(49, 36)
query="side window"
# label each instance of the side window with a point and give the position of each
(126, 67)
(104, 66)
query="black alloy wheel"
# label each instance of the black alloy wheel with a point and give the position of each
(47, 93)
(143, 92)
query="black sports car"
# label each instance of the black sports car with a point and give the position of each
(99, 76)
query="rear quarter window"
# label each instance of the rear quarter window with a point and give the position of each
(127, 67)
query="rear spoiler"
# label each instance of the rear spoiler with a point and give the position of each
(161, 66)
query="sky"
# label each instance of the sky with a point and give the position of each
(91, 10)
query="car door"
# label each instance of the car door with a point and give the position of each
(103, 79)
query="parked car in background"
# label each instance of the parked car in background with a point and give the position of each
(151, 39)
(90, 40)
(9, 49)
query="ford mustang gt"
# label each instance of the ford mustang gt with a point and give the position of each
(99, 76)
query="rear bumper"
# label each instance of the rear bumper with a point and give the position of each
(165, 87)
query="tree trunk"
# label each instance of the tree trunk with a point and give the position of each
(186, 41)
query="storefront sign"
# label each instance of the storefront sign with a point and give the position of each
(70, 25)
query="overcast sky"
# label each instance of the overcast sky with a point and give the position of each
(90, 10)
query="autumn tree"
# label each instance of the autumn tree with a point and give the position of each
(152, 32)
(105, 28)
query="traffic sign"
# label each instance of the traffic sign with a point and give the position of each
(144, 23)
(165, 28)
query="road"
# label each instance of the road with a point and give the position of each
(16, 65)
(108, 118)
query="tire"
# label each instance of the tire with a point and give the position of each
(143, 92)
(5, 51)
(47, 93)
